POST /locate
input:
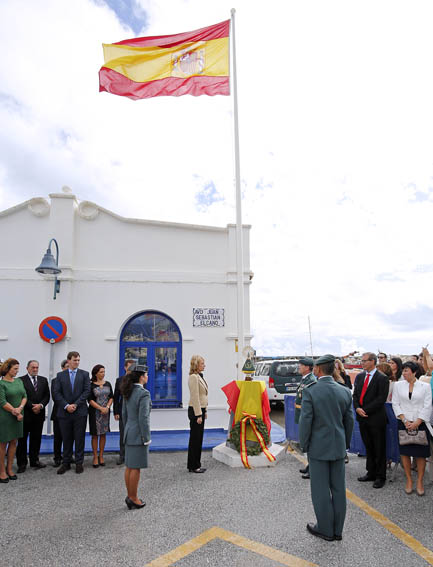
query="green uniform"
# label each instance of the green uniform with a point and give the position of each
(325, 430)
(12, 393)
(306, 381)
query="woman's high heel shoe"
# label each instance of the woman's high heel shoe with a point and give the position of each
(132, 504)
(101, 463)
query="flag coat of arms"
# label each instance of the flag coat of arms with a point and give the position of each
(195, 63)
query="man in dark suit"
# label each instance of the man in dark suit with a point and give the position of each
(58, 441)
(118, 411)
(369, 396)
(325, 430)
(71, 391)
(38, 396)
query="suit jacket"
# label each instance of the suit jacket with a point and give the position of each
(136, 417)
(64, 395)
(55, 406)
(118, 400)
(198, 393)
(41, 396)
(374, 399)
(326, 422)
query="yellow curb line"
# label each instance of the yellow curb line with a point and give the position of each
(403, 536)
(219, 533)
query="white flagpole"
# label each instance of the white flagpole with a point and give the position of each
(311, 337)
(239, 236)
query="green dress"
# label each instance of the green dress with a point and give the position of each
(13, 393)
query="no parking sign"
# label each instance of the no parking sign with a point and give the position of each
(52, 329)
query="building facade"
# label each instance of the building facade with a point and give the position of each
(156, 292)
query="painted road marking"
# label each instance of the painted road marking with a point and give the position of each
(403, 536)
(219, 533)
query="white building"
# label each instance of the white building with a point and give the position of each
(129, 288)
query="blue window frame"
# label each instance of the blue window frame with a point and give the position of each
(154, 339)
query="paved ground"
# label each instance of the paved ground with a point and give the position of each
(82, 520)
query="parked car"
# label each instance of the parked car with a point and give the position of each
(281, 377)
(284, 376)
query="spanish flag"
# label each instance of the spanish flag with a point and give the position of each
(248, 397)
(195, 63)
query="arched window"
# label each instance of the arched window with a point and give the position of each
(154, 339)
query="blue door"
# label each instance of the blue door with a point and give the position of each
(154, 339)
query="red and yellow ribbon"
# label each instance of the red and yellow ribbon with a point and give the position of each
(250, 419)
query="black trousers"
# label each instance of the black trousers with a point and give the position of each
(32, 427)
(58, 440)
(73, 428)
(121, 441)
(195, 439)
(374, 438)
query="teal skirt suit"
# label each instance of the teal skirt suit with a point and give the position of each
(136, 423)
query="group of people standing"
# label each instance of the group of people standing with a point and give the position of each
(324, 412)
(79, 397)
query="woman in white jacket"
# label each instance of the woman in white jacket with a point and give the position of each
(197, 413)
(412, 405)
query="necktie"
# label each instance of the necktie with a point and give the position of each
(72, 377)
(35, 383)
(364, 389)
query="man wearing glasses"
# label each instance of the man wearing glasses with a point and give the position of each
(369, 397)
(382, 357)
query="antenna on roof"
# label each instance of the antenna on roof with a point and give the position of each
(311, 338)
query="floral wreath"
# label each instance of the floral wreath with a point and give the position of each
(235, 437)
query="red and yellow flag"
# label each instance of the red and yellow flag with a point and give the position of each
(195, 63)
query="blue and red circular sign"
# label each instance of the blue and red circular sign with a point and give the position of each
(52, 329)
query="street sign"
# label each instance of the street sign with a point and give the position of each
(207, 317)
(52, 329)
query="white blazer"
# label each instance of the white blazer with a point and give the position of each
(419, 407)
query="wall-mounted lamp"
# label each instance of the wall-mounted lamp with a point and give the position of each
(51, 266)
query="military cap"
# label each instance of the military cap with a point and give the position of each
(324, 359)
(306, 361)
(137, 368)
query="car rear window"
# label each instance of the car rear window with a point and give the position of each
(285, 369)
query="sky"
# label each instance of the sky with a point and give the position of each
(336, 139)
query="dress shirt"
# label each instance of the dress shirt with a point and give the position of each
(372, 373)
(33, 379)
(74, 374)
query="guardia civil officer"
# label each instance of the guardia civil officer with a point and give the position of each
(325, 430)
(308, 378)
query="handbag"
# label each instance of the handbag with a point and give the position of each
(415, 437)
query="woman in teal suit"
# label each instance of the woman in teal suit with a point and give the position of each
(136, 421)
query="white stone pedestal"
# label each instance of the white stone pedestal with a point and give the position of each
(232, 458)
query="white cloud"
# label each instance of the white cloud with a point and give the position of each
(336, 122)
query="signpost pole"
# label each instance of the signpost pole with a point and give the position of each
(52, 330)
(50, 379)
